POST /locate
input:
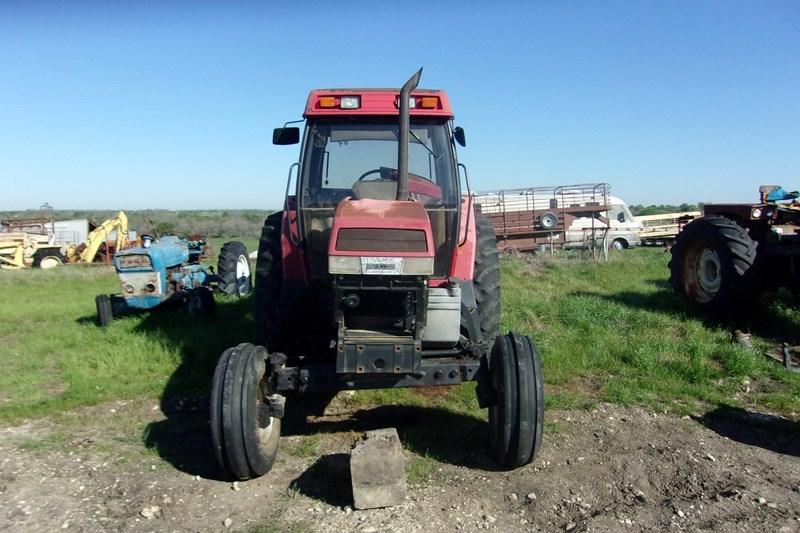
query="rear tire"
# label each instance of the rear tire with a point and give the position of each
(105, 312)
(516, 420)
(244, 445)
(712, 264)
(269, 282)
(233, 269)
(486, 278)
(48, 258)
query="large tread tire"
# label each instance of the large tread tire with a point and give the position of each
(516, 420)
(269, 282)
(243, 448)
(713, 264)
(48, 258)
(486, 278)
(105, 311)
(233, 269)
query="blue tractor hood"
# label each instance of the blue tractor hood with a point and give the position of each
(166, 252)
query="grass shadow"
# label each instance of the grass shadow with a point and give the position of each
(183, 437)
(770, 432)
(762, 318)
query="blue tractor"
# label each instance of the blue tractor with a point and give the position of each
(168, 270)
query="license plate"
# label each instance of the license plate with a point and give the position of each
(382, 265)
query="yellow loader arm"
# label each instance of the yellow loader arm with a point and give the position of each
(101, 233)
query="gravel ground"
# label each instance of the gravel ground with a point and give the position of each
(609, 469)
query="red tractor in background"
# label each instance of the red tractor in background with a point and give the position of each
(723, 259)
(377, 273)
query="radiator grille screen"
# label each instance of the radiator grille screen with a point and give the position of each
(381, 240)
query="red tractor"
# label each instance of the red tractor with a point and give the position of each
(377, 273)
(723, 259)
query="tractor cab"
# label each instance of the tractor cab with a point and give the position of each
(350, 159)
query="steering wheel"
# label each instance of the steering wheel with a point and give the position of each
(367, 173)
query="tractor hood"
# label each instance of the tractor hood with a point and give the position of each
(389, 237)
(165, 253)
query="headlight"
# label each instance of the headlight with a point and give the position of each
(344, 264)
(756, 213)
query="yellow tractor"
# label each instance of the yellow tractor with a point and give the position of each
(23, 250)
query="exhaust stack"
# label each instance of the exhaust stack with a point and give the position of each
(405, 124)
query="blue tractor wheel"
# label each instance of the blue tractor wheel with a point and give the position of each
(233, 269)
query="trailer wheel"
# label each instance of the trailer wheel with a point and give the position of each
(548, 220)
(712, 263)
(105, 312)
(233, 269)
(269, 281)
(516, 420)
(48, 258)
(486, 279)
(201, 302)
(244, 435)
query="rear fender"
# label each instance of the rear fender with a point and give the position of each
(294, 266)
(463, 264)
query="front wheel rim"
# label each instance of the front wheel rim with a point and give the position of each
(703, 273)
(49, 262)
(242, 273)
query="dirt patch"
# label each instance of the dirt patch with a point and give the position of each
(609, 469)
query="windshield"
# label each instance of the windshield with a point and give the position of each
(359, 159)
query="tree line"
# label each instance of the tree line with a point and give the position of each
(659, 209)
(209, 223)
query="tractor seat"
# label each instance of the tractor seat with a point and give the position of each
(375, 190)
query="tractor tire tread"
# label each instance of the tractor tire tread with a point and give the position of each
(226, 269)
(486, 278)
(269, 281)
(734, 245)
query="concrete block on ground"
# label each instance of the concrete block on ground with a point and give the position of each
(377, 470)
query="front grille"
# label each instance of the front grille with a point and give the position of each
(134, 261)
(381, 240)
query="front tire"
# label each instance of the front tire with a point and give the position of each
(105, 311)
(245, 439)
(713, 262)
(619, 244)
(201, 302)
(233, 269)
(516, 420)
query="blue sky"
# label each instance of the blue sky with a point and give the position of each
(172, 104)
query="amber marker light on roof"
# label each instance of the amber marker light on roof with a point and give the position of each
(429, 102)
(327, 101)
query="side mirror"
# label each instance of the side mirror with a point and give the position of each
(458, 135)
(286, 136)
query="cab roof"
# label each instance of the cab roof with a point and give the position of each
(376, 102)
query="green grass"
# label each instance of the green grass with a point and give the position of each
(54, 357)
(607, 332)
(616, 332)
